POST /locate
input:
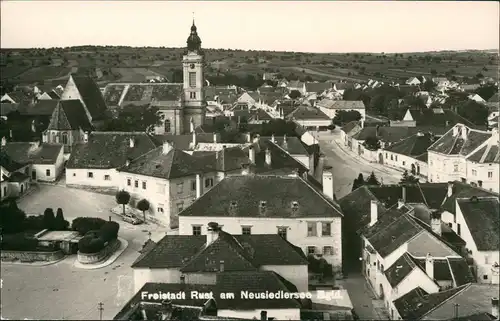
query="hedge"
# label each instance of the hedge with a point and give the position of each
(109, 231)
(18, 242)
(85, 224)
(90, 245)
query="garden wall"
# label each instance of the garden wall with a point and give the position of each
(32, 256)
(100, 190)
(89, 258)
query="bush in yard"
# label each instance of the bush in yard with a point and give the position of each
(34, 223)
(18, 242)
(60, 223)
(49, 219)
(89, 245)
(122, 198)
(143, 206)
(109, 231)
(84, 224)
(12, 219)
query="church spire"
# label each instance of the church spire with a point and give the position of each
(194, 41)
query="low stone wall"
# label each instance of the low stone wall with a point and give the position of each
(100, 190)
(31, 256)
(90, 258)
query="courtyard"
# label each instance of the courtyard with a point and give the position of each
(61, 290)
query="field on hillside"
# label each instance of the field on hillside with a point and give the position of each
(134, 64)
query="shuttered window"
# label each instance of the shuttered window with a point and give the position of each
(192, 79)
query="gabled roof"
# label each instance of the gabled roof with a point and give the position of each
(260, 114)
(453, 143)
(307, 113)
(109, 150)
(482, 216)
(225, 160)
(18, 177)
(91, 96)
(190, 253)
(292, 145)
(6, 108)
(449, 269)
(356, 207)
(248, 192)
(464, 190)
(386, 134)
(489, 153)
(352, 125)
(142, 93)
(341, 104)
(400, 269)
(69, 115)
(54, 95)
(427, 117)
(282, 163)
(8, 163)
(33, 153)
(412, 146)
(41, 108)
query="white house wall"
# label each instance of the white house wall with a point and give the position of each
(416, 278)
(481, 172)
(403, 162)
(297, 274)
(144, 275)
(442, 168)
(79, 176)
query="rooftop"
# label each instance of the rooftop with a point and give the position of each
(413, 146)
(307, 113)
(34, 153)
(341, 104)
(69, 115)
(91, 96)
(454, 143)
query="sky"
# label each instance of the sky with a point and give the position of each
(313, 26)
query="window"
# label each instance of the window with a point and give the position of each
(65, 138)
(282, 231)
(396, 158)
(160, 208)
(458, 229)
(74, 174)
(485, 277)
(392, 157)
(193, 185)
(486, 259)
(47, 172)
(404, 163)
(474, 172)
(166, 124)
(107, 178)
(192, 95)
(490, 174)
(328, 250)
(311, 250)
(180, 207)
(311, 229)
(192, 79)
(246, 230)
(196, 229)
(386, 155)
(382, 268)
(209, 182)
(180, 188)
(326, 229)
(143, 185)
(450, 225)
(480, 183)
(160, 188)
(136, 184)
(455, 168)
(90, 175)
(129, 182)
(5, 191)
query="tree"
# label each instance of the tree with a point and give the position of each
(12, 219)
(122, 198)
(473, 111)
(278, 127)
(372, 180)
(486, 92)
(49, 219)
(143, 206)
(60, 223)
(358, 182)
(429, 85)
(83, 225)
(406, 178)
(345, 116)
(372, 143)
(433, 72)
(294, 94)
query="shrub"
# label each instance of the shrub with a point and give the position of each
(84, 224)
(89, 245)
(109, 231)
(49, 218)
(60, 223)
(18, 242)
(34, 223)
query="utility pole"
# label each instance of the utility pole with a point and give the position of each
(100, 308)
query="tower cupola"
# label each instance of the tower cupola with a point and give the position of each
(194, 41)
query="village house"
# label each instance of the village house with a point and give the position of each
(296, 85)
(46, 161)
(435, 117)
(14, 176)
(259, 116)
(441, 82)
(476, 98)
(310, 118)
(467, 155)
(340, 87)
(330, 107)
(413, 81)
(317, 87)
(287, 206)
(467, 302)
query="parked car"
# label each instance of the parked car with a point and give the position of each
(132, 220)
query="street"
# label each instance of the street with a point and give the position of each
(346, 165)
(60, 290)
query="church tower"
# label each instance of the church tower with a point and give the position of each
(194, 98)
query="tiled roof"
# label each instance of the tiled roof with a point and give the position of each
(489, 153)
(350, 126)
(484, 316)
(494, 99)
(227, 159)
(6, 108)
(113, 93)
(54, 95)
(248, 192)
(31, 153)
(20, 96)
(190, 253)
(386, 134)
(432, 194)
(41, 108)
(441, 268)
(8, 163)
(69, 115)
(292, 146)
(344, 85)
(109, 150)
(142, 93)
(454, 144)
(317, 87)
(260, 114)
(341, 104)
(183, 142)
(482, 217)
(412, 146)
(174, 164)
(281, 161)
(91, 96)
(461, 271)
(356, 207)
(400, 269)
(18, 177)
(463, 190)
(426, 117)
(306, 113)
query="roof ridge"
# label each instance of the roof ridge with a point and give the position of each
(423, 196)
(322, 196)
(465, 286)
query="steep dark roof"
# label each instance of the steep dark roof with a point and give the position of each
(248, 192)
(350, 126)
(33, 153)
(41, 108)
(227, 159)
(412, 146)
(260, 114)
(489, 153)
(109, 150)
(317, 87)
(484, 316)
(281, 160)
(18, 177)
(356, 207)
(6, 108)
(91, 96)
(464, 190)
(454, 144)
(306, 112)
(53, 95)
(494, 99)
(482, 216)
(239, 253)
(399, 270)
(431, 194)
(8, 163)
(69, 115)
(386, 134)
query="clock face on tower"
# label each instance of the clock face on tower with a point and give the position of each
(191, 66)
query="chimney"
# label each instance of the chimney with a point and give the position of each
(403, 193)
(429, 266)
(272, 138)
(33, 127)
(285, 143)
(268, 157)
(401, 203)
(251, 154)
(465, 131)
(183, 279)
(455, 130)
(212, 232)
(494, 307)
(327, 182)
(4, 141)
(373, 212)
(249, 138)
(376, 130)
(193, 140)
(436, 222)
(295, 208)
(86, 137)
(450, 189)
(263, 315)
(198, 186)
(45, 138)
(131, 143)
(215, 138)
(233, 208)
(221, 266)
(166, 148)
(191, 125)
(263, 208)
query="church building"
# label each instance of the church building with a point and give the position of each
(182, 105)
